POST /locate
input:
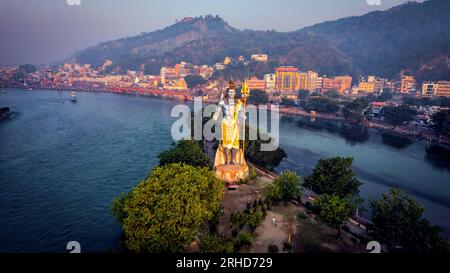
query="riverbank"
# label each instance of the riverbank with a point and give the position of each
(408, 130)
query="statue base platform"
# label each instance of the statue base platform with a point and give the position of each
(232, 173)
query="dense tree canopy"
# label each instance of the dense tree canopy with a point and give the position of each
(303, 94)
(386, 95)
(285, 187)
(397, 221)
(287, 102)
(185, 151)
(333, 93)
(334, 176)
(213, 244)
(268, 160)
(321, 104)
(334, 210)
(354, 111)
(398, 115)
(441, 123)
(167, 211)
(192, 81)
(258, 97)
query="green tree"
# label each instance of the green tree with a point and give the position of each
(320, 104)
(303, 94)
(386, 95)
(245, 239)
(268, 160)
(285, 187)
(27, 68)
(397, 221)
(213, 244)
(334, 176)
(398, 115)
(287, 102)
(237, 219)
(192, 81)
(168, 210)
(185, 151)
(258, 97)
(333, 93)
(441, 123)
(334, 211)
(254, 217)
(354, 111)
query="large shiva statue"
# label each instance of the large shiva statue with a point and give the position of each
(230, 165)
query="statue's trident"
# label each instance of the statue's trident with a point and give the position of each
(245, 93)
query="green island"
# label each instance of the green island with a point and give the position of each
(182, 207)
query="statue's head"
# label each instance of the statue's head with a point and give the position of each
(231, 90)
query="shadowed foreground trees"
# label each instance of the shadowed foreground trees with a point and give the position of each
(168, 210)
(441, 122)
(397, 221)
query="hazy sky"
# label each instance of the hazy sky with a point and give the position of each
(42, 31)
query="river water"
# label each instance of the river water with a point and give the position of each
(63, 163)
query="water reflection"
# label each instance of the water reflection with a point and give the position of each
(354, 134)
(396, 141)
(438, 155)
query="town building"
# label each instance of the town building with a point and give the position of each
(303, 81)
(256, 84)
(343, 84)
(408, 85)
(429, 89)
(287, 78)
(227, 60)
(270, 80)
(366, 87)
(311, 84)
(319, 83)
(327, 84)
(443, 89)
(260, 57)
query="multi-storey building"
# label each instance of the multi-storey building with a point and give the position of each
(319, 83)
(303, 81)
(311, 84)
(429, 89)
(343, 83)
(366, 87)
(408, 84)
(443, 89)
(270, 81)
(287, 78)
(256, 84)
(327, 84)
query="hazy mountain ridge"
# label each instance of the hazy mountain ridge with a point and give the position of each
(410, 38)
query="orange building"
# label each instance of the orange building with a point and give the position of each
(256, 84)
(303, 83)
(366, 87)
(443, 89)
(327, 84)
(287, 78)
(408, 84)
(342, 83)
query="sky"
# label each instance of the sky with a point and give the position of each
(45, 31)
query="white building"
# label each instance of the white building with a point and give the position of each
(260, 57)
(269, 80)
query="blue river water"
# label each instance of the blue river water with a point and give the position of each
(63, 163)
